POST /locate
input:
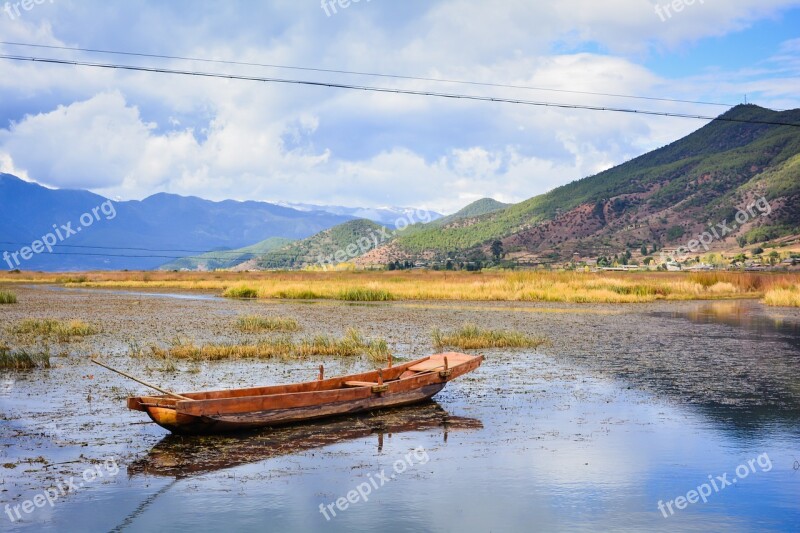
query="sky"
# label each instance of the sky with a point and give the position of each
(128, 135)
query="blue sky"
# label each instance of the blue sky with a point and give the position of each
(130, 135)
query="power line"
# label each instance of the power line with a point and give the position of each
(368, 88)
(373, 74)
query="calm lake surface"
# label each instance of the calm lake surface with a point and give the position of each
(630, 407)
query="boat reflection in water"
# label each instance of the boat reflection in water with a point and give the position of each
(180, 457)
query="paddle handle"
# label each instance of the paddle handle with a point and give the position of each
(137, 380)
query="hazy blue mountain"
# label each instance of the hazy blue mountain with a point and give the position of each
(163, 226)
(385, 216)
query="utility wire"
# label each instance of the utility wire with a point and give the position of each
(373, 74)
(368, 88)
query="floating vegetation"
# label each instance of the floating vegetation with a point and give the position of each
(352, 344)
(471, 337)
(256, 324)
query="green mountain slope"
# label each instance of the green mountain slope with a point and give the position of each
(700, 177)
(226, 258)
(475, 209)
(336, 245)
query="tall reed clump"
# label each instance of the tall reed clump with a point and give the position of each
(350, 345)
(256, 324)
(23, 360)
(63, 331)
(783, 297)
(7, 297)
(471, 337)
(241, 292)
(365, 294)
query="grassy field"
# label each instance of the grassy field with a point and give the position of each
(427, 285)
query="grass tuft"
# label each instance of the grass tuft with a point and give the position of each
(786, 297)
(7, 297)
(256, 324)
(242, 292)
(352, 344)
(63, 331)
(23, 360)
(362, 294)
(471, 337)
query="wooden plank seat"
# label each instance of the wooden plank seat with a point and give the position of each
(360, 384)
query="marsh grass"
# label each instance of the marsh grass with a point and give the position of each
(257, 324)
(7, 297)
(364, 294)
(63, 331)
(471, 337)
(22, 359)
(350, 345)
(537, 286)
(244, 293)
(783, 297)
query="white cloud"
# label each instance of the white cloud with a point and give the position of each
(134, 134)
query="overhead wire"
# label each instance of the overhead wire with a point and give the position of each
(367, 88)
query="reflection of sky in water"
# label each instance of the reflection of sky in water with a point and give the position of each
(561, 447)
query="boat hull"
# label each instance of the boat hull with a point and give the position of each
(242, 409)
(200, 425)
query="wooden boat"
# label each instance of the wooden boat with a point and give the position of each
(238, 409)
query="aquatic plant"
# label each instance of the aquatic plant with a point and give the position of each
(256, 323)
(471, 337)
(63, 331)
(7, 297)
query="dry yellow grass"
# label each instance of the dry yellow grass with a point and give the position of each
(256, 324)
(471, 337)
(788, 297)
(351, 345)
(427, 285)
(48, 327)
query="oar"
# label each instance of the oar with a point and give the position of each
(146, 384)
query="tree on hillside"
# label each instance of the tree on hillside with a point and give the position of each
(497, 250)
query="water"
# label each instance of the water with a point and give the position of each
(630, 407)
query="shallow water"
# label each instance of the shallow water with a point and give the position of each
(630, 406)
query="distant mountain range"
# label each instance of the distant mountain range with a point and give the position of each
(142, 234)
(661, 199)
(386, 216)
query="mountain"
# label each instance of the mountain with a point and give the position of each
(223, 259)
(386, 216)
(475, 209)
(659, 199)
(136, 234)
(339, 244)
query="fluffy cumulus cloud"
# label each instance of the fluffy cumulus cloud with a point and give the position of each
(132, 134)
